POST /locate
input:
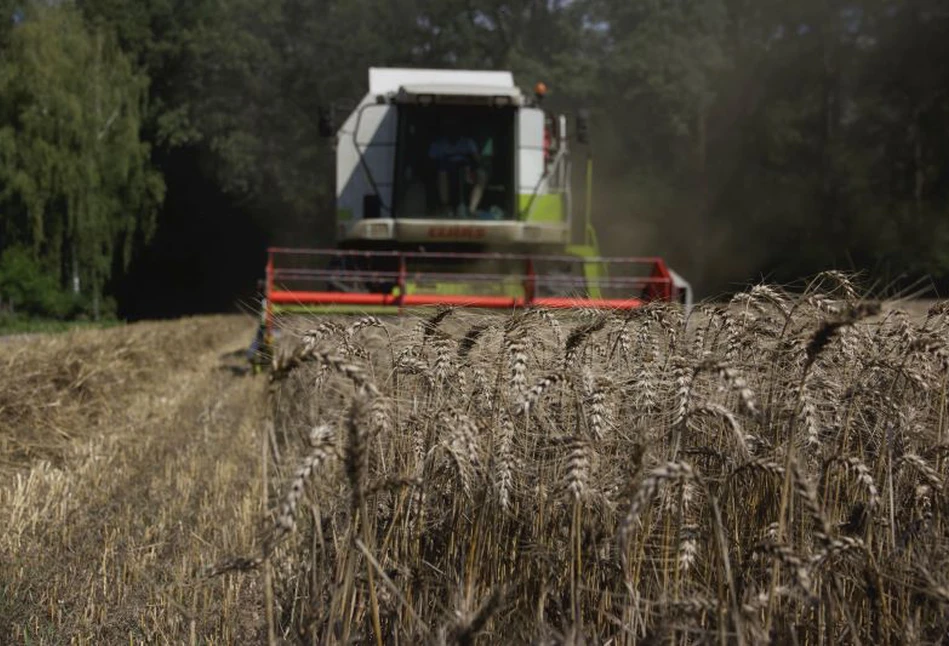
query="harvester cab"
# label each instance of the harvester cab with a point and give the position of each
(448, 158)
(453, 187)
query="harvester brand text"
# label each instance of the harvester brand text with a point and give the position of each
(473, 233)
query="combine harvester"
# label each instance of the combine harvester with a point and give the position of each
(453, 188)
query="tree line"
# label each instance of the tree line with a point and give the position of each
(738, 138)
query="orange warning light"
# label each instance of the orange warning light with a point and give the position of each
(540, 89)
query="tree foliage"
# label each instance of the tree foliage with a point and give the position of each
(26, 287)
(736, 137)
(75, 181)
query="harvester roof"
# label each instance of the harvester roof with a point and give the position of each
(383, 80)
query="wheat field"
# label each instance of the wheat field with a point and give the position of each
(771, 470)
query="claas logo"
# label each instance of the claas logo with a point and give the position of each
(471, 233)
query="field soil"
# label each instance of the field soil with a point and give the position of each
(129, 460)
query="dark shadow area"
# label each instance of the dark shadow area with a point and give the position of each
(236, 370)
(207, 253)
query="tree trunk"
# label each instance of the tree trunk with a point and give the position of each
(75, 270)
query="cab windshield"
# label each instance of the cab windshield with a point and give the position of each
(455, 162)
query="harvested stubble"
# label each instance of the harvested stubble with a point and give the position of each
(142, 476)
(55, 390)
(772, 470)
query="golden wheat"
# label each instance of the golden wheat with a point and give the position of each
(769, 469)
(772, 469)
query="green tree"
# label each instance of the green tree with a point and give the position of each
(261, 70)
(896, 149)
(736, 137)
(26, 287)
(658, 78)
(75, 182)
(838, 158)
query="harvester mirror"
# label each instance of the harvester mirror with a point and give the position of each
(583, 126)
(325, 122)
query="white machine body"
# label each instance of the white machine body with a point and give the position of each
(388, 188)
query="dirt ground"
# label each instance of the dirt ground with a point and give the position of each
(129, 465)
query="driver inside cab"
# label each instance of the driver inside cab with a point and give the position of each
(457, 164)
